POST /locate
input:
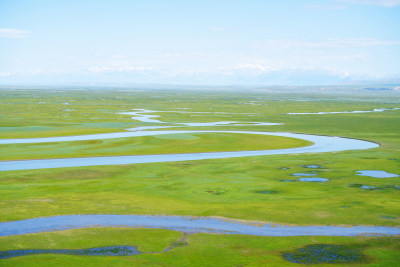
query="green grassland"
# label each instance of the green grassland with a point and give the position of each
(224, 187)
(161, 144)
(220, 187)
(196, 250)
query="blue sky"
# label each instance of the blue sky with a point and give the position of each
(176, 41)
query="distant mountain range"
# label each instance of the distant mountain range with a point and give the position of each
(241, 75)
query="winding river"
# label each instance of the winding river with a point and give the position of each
(185, 224)
(321, 144)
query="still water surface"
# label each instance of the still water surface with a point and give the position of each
(321, 144)
(185, 224)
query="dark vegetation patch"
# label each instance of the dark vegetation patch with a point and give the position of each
(217, 191)
(379, 187)
(362, 186)
(355, 185)
(388, 217)
(103, 251)
(313, 166)
(322, 253)
(266, 191)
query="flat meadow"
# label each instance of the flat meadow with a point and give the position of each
(261, 188)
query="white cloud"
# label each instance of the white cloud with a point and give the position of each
(353, 57)
(247, 69)
(13, 33)
(220, 29)
(328, 43)
(99, 69)
(176, 55)
(323, 7)
(363, 42)
(118, 69)
(257, 67)
(5, 74)
(384, 3)
(35, 71)
(118, 57)
(343, 4)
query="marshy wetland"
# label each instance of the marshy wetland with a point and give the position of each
(99, 124)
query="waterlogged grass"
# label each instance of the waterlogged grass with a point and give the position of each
(102, 251)
(220, 187)
(199, 249)
(146, 240)
(322, 253)
(224, 187)
(41, 113)
(161, 144)
(230, 188)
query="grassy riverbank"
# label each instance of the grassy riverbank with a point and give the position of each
(161, 144)
(195, 250)
(225, 187)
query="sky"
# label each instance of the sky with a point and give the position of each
(172, 41)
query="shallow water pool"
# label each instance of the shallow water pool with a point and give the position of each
(304, 174)
(376, 174)
(313, 179)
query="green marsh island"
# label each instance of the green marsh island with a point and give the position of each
(199, 177)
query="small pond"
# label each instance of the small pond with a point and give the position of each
(313, 166)
(304, 174)
(376, 174)
(313, 179)
(367, 187)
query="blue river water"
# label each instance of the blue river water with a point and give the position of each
(320, 144)
(185, 224)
